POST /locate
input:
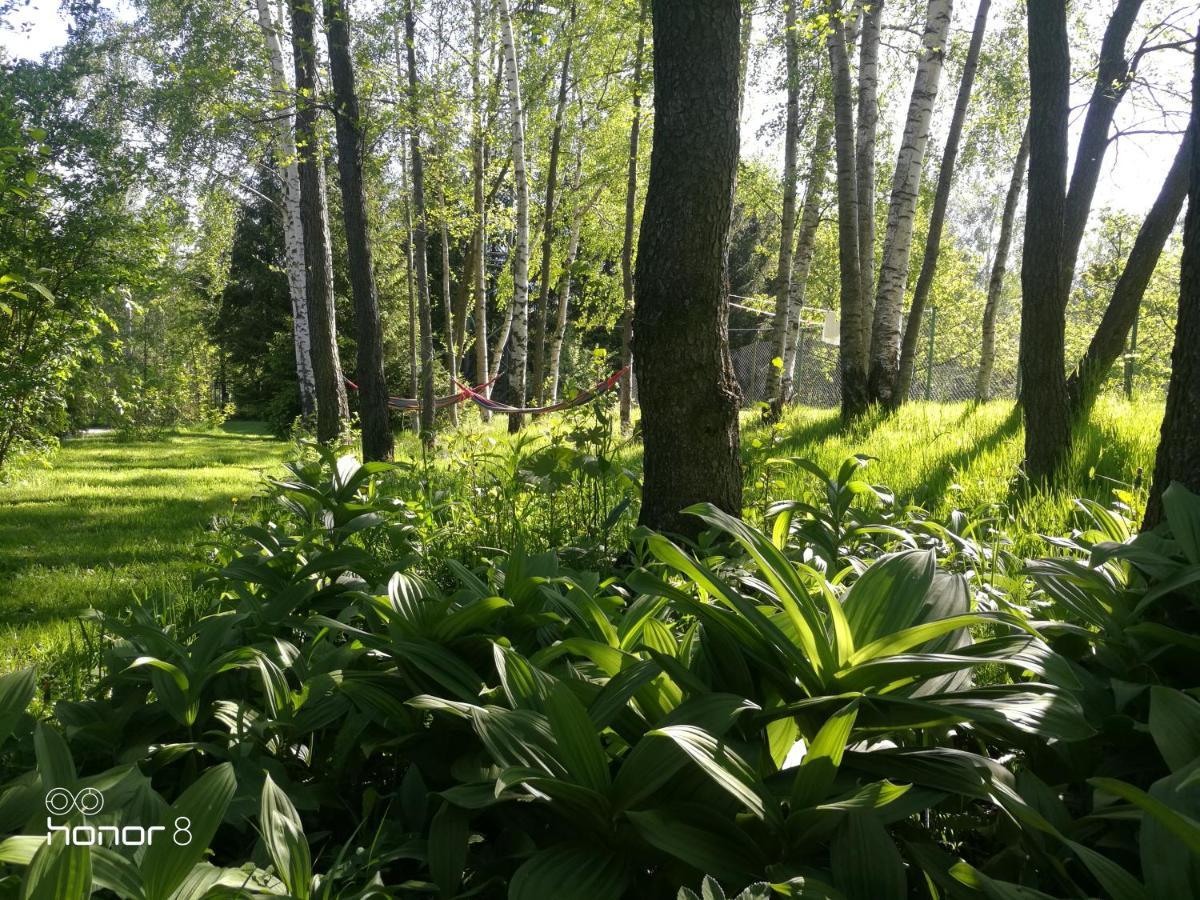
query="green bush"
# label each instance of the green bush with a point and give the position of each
(855, 704)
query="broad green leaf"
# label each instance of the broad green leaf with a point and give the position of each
(578, 742)
(283, 835)
(58, 871)
(167, 862)
(16, 693)
(731, 773)
(570, 872)
(1182, 510)
(1183, 827)
(1175, 726)
(525, 686)
(865, 862)
(54, 763)
(707, 843)
(448, 835)
(817, 770)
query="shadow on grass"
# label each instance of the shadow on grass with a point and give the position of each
(933, 490)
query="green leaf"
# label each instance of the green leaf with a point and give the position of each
(448, 836)
(54, 763)
(1182, 509)
(58, 871)
(570, 873)
(731, 773)
(16, 693)
(1175, 726)
(283, 835)
(1183, 827)
(820, 764)
(203, 805)
(525, 686)
(578, 743)
(865, 862)
(702, 840)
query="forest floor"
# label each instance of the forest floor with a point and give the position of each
(111, 518)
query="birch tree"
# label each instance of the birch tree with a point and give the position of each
(902, 208)
(941, 200)
(520, 300)
(864, 155)
(479, 233)
(293, 231)
(332, 408)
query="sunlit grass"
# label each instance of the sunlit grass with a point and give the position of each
(108, 520)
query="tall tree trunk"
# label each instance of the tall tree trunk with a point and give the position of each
(1108, 342)
(631, 182)
(372, 385)
(806, 243)
(1178, 458)
(332, 409)
(853, 373)
(478, 236)
(941, 199)
(1045, 279)
(293, 230)
(688, 393)
(868, 124)
(987, 348)
(787, 229)
(902, 209)
(520, 300)
(409, 261)
(1113, 77)
(744, 38)
(448, 302)
(420, 231)
(538, 360)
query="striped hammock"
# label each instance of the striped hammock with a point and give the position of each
(579, 399)
(413, 404)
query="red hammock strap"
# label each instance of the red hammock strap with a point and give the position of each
(578, 400)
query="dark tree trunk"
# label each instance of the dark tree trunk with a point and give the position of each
(1113, 77)
(851, 350)
(631, 182)
(686, 386)
(987, 341)
(537, 361)
(1045, 278)
(941, 199)
(1108, 342)
(420, 232)
(332, 409)
(1178, 456)
(372, 386)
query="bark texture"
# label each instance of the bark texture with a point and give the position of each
(520, 300)
(1178, 458)
(902, 208)
(864, 150)
(686, 386)
(987, 347)
(550, 208)
(787, 229)
(420, 231)
(941, 199)
(806, 243)
(372, 386)
(332, 409)
(850, 351)
(478, 236)
(293, 230)
(1045, 277)
(631, 183)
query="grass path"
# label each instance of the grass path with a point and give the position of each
(113, 518)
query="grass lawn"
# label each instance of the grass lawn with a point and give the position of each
(110, 518)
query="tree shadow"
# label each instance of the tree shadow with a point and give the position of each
(935, 485)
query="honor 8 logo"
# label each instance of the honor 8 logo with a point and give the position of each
(89, 802)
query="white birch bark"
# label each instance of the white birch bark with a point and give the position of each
(293, 234)
(902, 209)
(478, 237)
(520, 300)
(867, 126)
